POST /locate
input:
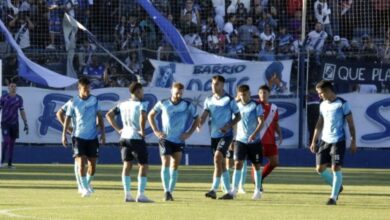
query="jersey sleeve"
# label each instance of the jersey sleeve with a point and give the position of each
(98, 108)
(117, 109)
(346, 109)
(206, 105)
(144, 106)
(234, 107)
(157, 108)
(70, 109)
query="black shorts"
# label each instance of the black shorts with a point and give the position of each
(229, 154)
(11, 130)
(134, 149)
(252, 152)
(331, 153)
(169, 147)
(88, 148)
(221, 144)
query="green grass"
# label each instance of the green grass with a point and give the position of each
(49, 192)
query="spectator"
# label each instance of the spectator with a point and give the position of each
(213, 41)
(368, 52)
(187, 26)
(229, 26)
(338, 48)
(133, 34)
(315, 41)
(322, 13)
(346, 17)
(120, 33)
(133, 62)
(219, 8)
(164, 51)
(267, 35)
(267, 53)
(55, 8)
(22, 24)
(164, 6)
(284, 43)
(241, 14)
(235, 49)
(193, 39)
(83, 12)
(96, 73)
(148, 33)
(267, 20)
(386, 51)
(293, 6)
(39, 35)
(245, 32)
(85, 54)
(189, 8)
(296, 24)
(252, 50)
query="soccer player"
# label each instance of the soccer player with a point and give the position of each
(176, 114)
(61, 113)
(10, 103)
(267, 133)
(84, 110)
(334, 111)
(133, 117)
(247, 144)
(220, 107)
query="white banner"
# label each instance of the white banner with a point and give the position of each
(198, 77)
(371, 114)
(42, 104)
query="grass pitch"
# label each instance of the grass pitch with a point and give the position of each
(49, 192)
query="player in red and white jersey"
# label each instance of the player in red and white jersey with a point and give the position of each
(268, 132)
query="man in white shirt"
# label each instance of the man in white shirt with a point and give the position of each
(322, 13)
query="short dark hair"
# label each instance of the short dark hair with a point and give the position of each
(265, 87)
(84, 81)
(243, 88)
(219, 78)
(324, 84)
(178, 85)
(134, 86)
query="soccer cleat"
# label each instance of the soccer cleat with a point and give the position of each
(227, 196)
(261, 187)
(143, 199)
(241, 191)
(331, 202)
(168, 196)
(211, 194)
(90, 188)
(12, 167)
(257, 195)
(80, 190)
(85, 193)
(129, 198)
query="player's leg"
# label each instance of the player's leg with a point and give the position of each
(255, 155)
(127, 157)
(141, 153)
(221, 152)
(216, 179)
(79, 152)
(323, 160)
(76, 171)
(175, 161)
(229, 162)
(272, 154)
(240, 152)
(11, 146)
(244, 170)
(165, 154)
(92, 153)
(337, 154)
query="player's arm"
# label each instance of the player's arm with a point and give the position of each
(259, 126)
(194, 125)
(60, 115)
(317, 132)
(156, 131)
(65, 128)
(228, 126)
(202, 119)
(142, 123)
(24, 117)
(352, 131)
(110, 116)
(278, 130)
(101, 126)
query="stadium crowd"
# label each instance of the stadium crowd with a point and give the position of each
(262, 30)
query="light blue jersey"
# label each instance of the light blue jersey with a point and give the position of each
(64, 108)
(130, 112)
(220, 113)
(175, 118)
(334, 114)
(249, 121)
(84, 113)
